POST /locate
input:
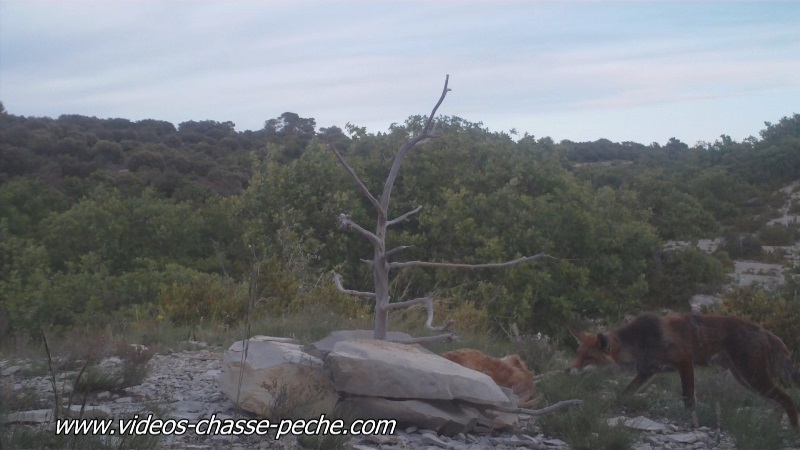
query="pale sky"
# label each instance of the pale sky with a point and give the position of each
(626, 71)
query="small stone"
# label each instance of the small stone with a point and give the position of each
(33, 416)
(471, 439)
(8, 371)
(89, 412)
(687, 438)
(379, 439)
(644, 424)
(432, 439)
(188, 406)
(181, 415)
(361, 447)
(652, 439)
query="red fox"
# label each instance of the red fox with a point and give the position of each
(757, 358)
(510, 372)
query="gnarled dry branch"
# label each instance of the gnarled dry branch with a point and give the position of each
(337, 280)
(404, 216)
(347, 224)
(539, 412)
(396, 250)
(360, 183)
(401, 154)
(399, 265)
(428, 301)
(447, 337)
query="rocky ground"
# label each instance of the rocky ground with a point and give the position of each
(183, 385)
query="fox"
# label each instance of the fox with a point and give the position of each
(758, 359)
(510, 372)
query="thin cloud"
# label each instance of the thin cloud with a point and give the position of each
(637, 70)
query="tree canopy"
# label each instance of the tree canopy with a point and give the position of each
(103, 218)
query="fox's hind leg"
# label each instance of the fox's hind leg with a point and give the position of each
(763, 384)
(777, 394)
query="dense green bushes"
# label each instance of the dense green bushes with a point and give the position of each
(108, 219)
(778, 312)
(677, 275)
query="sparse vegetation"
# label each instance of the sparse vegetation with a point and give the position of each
(777, 234)
(42, 436)
(586, 427)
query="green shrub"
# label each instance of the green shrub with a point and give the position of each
(194, 297)
(776, 234)
(776, 311)
(742, 246)
(677, 275)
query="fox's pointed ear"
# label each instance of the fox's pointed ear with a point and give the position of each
(603, 341)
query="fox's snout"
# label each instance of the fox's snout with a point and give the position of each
(579, 367)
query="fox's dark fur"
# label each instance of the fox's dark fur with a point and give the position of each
(758, 359)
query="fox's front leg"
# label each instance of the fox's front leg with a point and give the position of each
(686, 371)
(638, 381)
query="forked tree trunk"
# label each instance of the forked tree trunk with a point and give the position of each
(381, 266)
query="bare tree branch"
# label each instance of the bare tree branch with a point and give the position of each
(445, 327)
(426, 131)
(398, 159)
(347, 224)
(396, 250)
(352, 172)
(398, 265)
(428, 301)
(407, 303)
(404, 216)
(447, 337)
(337, 280)
(539, 412)
(368, 262)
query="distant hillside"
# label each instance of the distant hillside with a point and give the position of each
(103, 219)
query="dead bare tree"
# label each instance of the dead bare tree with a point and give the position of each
(380, 263)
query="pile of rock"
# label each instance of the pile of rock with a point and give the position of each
(364, 378)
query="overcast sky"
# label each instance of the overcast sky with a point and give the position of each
(625, 71)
